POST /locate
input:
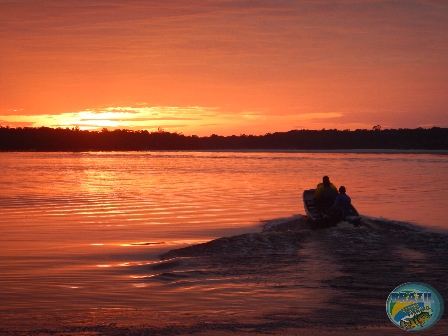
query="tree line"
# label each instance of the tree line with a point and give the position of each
(74, 139)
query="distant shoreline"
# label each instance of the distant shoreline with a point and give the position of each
(45, 139)
(304, 151)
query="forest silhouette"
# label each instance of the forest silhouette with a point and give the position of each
(74, 139)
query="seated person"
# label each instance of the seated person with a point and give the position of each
(325, 194)
(343, 201)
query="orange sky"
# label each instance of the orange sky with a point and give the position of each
(224, 67)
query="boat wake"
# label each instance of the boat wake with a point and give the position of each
(286, 279)
(290, 271)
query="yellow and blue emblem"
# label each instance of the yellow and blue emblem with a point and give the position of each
(414, 306)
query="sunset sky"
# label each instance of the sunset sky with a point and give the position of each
(224, 67)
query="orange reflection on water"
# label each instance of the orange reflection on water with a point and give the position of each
(97, 223)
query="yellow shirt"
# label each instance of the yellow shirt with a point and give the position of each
(320, 187)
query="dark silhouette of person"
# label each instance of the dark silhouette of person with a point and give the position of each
(325, 194)
(344, 201)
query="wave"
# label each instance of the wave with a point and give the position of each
(341, 269)
(284, 235)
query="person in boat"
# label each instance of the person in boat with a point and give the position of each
(325, 184)
(325, 194)
(343, 201)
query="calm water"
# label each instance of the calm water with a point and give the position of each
(75, 227)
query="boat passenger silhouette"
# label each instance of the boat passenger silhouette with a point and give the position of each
(325, 194)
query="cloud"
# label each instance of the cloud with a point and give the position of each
(328, 115)
(9, 123)
(137, 119)
(240, 34)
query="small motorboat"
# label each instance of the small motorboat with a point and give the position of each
(320, 218)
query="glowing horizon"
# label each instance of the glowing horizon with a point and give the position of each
(188, 120)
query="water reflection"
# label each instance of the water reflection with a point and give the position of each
(94, 223)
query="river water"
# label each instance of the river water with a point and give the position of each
(78, 230)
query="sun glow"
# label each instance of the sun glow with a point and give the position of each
(190, 120)
(89, 120)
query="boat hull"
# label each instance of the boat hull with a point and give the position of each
(321, 219)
